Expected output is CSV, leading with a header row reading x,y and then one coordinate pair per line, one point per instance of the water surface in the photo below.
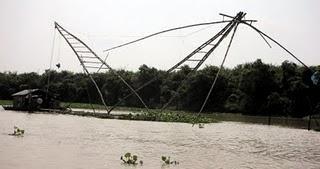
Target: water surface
x,y
64,141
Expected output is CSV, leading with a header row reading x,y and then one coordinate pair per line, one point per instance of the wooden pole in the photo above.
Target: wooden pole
x,y
309,122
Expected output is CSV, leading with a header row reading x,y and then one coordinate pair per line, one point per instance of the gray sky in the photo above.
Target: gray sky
x,y
27,30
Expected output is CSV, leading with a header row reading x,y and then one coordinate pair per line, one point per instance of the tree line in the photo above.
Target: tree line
x,y
252,88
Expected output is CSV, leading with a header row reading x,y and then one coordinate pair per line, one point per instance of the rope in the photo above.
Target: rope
x,y
225,31
105,59
164,31
263,34
217,75
197,31
59,49
51,57
180,63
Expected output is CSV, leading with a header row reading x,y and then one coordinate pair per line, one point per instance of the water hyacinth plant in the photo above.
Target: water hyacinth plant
x,y
17,131
166,160
171,116
201,125
130,159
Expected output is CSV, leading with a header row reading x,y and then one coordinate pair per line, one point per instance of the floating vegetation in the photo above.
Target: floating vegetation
x,y
167,161
169,116
17,131
130,159
201,125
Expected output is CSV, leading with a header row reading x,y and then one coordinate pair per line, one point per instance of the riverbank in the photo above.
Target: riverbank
x,y
127,113
124,113
96,106
5,102
151,115
189,117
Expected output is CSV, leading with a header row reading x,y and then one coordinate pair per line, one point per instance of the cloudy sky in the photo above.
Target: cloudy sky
x,y
27,31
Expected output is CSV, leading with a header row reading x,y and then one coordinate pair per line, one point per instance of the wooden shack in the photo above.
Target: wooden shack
x,y
34,99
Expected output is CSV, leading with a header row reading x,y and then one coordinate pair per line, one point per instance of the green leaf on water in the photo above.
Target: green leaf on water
x,y
127,155
167,160
135,157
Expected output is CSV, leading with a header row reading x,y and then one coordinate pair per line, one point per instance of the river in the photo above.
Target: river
x,y
73,142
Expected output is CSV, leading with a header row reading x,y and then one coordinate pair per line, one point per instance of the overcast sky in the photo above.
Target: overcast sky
x,y
27,31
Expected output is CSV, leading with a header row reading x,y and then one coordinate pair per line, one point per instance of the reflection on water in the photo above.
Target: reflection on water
x,y
62,141
115,112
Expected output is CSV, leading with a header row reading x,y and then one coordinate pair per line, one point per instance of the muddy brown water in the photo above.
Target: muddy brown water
x,y
73,142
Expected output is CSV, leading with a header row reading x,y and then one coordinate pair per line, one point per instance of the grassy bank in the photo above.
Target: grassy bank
x,y
301,123
137,113
96,106
5,102
171,116
185,117
151,115
81,106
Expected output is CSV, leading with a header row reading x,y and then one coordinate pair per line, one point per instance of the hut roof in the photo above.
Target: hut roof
x,y
25,92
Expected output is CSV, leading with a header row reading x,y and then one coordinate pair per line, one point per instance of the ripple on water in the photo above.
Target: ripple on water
x,y
58,141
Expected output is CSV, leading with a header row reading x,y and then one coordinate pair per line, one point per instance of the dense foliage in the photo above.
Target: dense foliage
x,y
252,88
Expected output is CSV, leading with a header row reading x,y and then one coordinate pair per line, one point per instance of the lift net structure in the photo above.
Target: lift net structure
x,y
91,62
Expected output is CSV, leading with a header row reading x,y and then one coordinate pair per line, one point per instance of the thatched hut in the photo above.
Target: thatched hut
x,y
33,99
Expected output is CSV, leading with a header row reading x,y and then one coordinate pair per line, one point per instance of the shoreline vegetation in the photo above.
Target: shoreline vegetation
x,y
134,113
254,88
178,116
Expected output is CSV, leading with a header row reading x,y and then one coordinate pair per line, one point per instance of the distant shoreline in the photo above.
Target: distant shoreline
x,y
127,113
